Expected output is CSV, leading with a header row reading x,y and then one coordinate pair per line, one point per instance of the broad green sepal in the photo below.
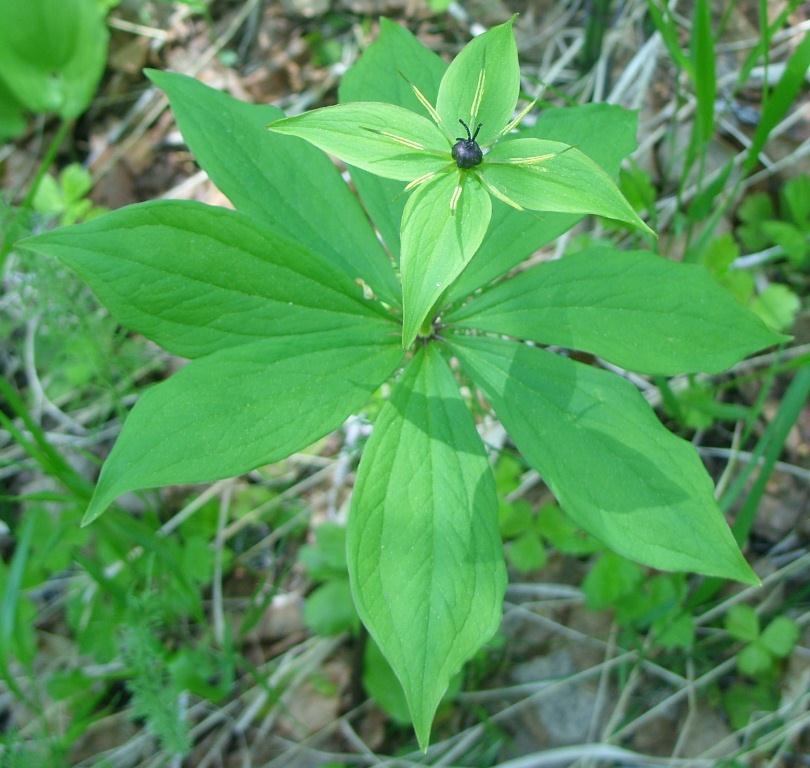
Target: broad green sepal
x,y
385,72
244,407
481,85
613,467
542,175
197,278
382,138
424,550
633,308
279,181
604,132
442,226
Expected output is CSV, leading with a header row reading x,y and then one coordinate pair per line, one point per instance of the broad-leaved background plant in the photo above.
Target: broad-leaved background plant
x,y
293,312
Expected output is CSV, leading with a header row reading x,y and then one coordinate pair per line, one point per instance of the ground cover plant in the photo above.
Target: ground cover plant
x,y
293,314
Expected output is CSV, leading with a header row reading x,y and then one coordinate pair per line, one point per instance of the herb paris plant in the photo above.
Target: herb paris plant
x,y
284,346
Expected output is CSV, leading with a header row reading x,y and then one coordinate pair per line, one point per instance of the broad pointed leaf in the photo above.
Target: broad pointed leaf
x,y
196,278
438,241
614,469
243,407
633,308
604,132
388,68
425,559
481,85
543,175
52,53
382,138
280,181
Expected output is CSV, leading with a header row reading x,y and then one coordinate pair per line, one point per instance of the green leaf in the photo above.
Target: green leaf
x,y
742,622
612,466
12,595
780,636
669,29
544,175
777,306
790,238
744,702
49,198
279,181
243,407
52,53
753,211
527,553
196,278
381,138
425,557
514,517
564,536
610,579
481,85
780,99
754,659
329,610
76,182
12,114
795,196
604,132
675,631
385,72
703,69
438,242
382,685
326,559
633,308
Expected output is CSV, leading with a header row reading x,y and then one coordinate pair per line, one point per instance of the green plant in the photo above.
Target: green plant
x,y
52,56
763,647
763,225
66,198
285,343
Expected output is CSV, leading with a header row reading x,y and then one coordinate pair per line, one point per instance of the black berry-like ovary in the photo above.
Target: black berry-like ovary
x,y
466,151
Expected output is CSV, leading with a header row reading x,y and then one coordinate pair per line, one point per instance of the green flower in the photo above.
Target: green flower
x,y
447,215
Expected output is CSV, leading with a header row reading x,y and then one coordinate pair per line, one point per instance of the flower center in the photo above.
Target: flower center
x,y
466,151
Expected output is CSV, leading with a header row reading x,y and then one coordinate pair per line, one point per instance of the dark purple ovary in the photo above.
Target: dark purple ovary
x,y
466,151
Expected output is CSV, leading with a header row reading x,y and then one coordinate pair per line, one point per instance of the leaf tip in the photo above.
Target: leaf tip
x,y
97,506
422,725
92,514
279,125
158,77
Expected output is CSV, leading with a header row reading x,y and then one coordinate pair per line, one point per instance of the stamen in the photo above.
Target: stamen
x,y
455,198
423,100
479,95
410,143
519,118
495,192
532,160
420,180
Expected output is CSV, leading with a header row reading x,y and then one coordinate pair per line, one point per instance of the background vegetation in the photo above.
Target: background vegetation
x,y
213,626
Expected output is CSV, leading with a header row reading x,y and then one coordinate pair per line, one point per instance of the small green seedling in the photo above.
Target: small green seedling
x,y
66,197
763,648
294,310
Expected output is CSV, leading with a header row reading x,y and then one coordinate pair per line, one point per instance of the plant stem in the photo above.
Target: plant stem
x,y
47,161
